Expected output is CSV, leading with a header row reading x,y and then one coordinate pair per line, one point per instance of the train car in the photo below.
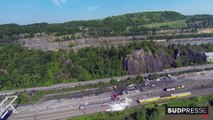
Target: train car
x,y
169,89
183,94
165,97
149,99
180,87
174,88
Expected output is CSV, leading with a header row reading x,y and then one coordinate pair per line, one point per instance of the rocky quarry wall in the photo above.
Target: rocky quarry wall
x,y
140,62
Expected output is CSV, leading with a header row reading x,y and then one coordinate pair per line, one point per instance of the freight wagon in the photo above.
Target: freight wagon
x,y
174,88
149,99
165,97
175,95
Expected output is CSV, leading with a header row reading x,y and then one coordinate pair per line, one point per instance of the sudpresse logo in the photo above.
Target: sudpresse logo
x,y
186,110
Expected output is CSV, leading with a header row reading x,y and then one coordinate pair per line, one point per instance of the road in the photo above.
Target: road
x,y
185,41
70,85
199,83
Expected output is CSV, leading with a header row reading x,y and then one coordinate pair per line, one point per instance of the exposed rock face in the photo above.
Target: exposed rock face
x,y
47,42
44,43
142,62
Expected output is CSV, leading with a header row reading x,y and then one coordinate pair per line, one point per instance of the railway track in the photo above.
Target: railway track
x,y
68,113
63,112
71,85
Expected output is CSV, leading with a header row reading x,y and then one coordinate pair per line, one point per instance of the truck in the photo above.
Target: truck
x,y
116,96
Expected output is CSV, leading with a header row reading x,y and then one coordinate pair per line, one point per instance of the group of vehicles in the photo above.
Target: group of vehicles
x,y
128,90
116,96
167,96
132,87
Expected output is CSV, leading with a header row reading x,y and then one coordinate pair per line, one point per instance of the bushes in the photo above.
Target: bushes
x,y
139,78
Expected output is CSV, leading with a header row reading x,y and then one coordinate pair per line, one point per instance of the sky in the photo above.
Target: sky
x,y
57,11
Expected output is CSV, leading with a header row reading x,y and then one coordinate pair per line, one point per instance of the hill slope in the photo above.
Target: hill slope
x,y
142,23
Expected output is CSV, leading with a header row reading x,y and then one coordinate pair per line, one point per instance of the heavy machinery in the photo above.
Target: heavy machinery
x,y
116,96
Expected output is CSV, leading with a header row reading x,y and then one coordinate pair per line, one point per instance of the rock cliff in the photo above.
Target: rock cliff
x,y
140,62
144,62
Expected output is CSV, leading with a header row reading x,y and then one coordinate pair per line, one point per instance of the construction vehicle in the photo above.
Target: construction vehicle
x,y
116,96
